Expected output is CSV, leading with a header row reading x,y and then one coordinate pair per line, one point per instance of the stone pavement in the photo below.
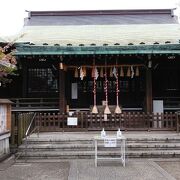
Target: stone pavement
x,y
34,171
136,169
90,135
172,167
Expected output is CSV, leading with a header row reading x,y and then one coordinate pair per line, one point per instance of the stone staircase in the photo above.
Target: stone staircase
x,y
82,147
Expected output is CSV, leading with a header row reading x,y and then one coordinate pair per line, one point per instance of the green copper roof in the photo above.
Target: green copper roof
x,y
101,34
25,49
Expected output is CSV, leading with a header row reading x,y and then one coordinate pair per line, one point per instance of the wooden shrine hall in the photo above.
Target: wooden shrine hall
x,y
99,62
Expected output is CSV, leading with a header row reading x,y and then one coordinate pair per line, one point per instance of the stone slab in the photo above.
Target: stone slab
x,y
135,169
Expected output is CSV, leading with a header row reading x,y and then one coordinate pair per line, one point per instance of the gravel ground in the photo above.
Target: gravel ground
x,y
172,167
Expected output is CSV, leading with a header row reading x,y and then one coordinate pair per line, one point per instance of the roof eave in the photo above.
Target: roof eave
x,y
65,50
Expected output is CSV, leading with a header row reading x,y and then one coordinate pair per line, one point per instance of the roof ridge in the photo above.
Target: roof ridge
x,y
101,12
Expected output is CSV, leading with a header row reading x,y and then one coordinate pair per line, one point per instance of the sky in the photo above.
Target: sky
x,y
12,12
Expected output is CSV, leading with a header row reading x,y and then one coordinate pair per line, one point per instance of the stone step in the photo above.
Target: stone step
x,y
90,154
89,142
91,138
56,147
70,146
56,141
161,145
85,147
154,141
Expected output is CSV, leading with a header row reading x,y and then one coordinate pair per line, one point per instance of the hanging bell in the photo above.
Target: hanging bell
x,y
94,110
118,110
76,73
128,72
107,110
122,72
61,66
137,71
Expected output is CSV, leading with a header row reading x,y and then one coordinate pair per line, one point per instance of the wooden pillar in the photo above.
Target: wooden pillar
x,y
20,129
24,80
62,94
149,90
8,117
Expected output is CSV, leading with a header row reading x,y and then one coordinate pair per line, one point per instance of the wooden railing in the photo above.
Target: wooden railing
x,y
125,121
33,103
88,121
20,123
178,121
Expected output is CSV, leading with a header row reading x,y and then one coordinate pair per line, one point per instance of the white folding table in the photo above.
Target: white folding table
x,y
111,142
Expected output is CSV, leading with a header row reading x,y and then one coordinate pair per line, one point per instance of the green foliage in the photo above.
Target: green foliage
x,y
7,64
